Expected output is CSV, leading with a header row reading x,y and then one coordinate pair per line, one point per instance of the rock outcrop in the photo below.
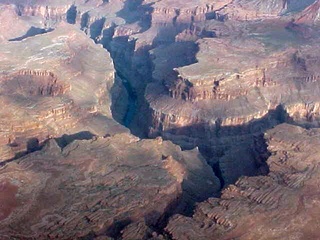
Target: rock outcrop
x,y
281,205
217,92
99,187
310,15
242,10
53,84
212,76
12,25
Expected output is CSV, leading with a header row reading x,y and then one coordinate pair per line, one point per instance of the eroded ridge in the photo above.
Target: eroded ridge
x,y
50,88
256,207
33,83
99,187
213,75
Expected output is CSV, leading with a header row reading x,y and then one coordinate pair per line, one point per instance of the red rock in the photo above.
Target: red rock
x,y
100,186
51,96
210,74
282,205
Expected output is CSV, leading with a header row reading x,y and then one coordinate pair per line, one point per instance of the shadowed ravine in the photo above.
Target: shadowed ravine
x,y
162,120
137,115
132,102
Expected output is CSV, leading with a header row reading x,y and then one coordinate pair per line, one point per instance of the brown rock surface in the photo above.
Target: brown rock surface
x,y
244,78
12,25
53,84
311,14
97,187
260,9
282,205
212,74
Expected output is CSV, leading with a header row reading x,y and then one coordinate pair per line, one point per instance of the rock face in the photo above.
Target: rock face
x,y
212,76
282,205
223,86
311,14
98,187
11,25
55,95
233,82
259,9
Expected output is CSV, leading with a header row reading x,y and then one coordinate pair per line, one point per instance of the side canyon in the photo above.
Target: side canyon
x,y
142,119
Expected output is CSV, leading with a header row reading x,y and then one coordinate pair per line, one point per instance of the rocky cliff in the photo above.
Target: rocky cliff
x,y
212,76
50,96
217,92
281,205
100,186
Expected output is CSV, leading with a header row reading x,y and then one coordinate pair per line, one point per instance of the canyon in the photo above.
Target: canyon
x,y
144,119
280,205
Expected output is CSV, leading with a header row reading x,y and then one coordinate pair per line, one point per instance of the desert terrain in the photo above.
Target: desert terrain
x,y
167,119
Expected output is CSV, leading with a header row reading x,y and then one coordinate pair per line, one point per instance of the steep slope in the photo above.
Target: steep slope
x,y
98,187
209,74
311,14
53,84
12,25
282,205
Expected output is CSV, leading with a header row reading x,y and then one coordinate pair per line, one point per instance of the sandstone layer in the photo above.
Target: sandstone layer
x,y
53,84
282,205
229,79
97,187
209,74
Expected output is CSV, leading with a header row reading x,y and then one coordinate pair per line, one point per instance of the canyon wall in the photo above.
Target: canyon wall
x,y
212,77
259,207
96,195
48,97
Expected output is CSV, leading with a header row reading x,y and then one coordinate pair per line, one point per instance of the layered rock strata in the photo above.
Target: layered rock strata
x,y
221,90
98,187
281,205
50,96
200,73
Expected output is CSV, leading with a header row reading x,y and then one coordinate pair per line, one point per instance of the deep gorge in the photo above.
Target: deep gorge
x,y
209,79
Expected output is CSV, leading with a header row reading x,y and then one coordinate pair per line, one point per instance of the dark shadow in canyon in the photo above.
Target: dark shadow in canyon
x,y
115,229
72,14
84,21
216,16
296,6
96,28
132,101
128,63
244,153
33,31
135,68
122,51
130,11
134,11
165,36
133,71
66,139
34,145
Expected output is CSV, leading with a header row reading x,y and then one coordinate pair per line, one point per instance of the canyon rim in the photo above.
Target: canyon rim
x,y
167,119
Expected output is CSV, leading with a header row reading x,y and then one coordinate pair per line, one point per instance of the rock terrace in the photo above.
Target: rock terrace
x,y
204,87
